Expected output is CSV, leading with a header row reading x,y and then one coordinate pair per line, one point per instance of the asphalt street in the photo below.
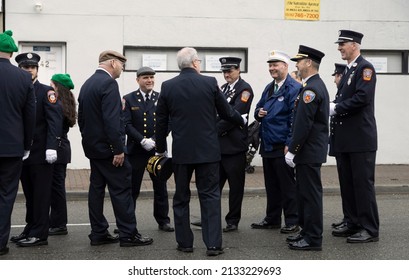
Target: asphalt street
x,y
245,244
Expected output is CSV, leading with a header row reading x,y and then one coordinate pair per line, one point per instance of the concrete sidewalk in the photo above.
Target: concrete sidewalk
x,y
389,178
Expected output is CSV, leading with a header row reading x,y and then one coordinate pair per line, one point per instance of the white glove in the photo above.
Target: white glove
x,y
332,109
26,154
244,116
148,144
165,154
289,159
51,156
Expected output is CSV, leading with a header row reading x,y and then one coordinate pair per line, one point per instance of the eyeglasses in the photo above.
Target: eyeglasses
x,y
122,63
198,60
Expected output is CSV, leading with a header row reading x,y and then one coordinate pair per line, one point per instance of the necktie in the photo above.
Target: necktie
x,y
275,88
146,98
227,90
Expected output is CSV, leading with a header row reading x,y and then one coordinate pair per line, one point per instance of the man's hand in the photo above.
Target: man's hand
x,y
289,159
165,154
332,109
244,117
51,156
261,113
26,154
148,144
118,160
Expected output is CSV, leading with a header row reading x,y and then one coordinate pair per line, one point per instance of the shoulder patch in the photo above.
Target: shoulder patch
x,y
52,97
245,95
367,74
308,96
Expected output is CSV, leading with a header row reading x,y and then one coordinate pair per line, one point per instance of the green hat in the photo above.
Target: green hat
x,y
63,79
7,44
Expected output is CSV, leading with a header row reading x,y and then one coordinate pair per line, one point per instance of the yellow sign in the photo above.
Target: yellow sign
x,y
302,9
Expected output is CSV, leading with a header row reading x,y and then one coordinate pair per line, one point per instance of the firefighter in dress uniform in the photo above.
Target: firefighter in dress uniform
x,y
37,175
233,139
140,121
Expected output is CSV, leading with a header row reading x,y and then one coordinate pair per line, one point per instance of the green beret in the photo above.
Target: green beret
x,y
7,44
63,79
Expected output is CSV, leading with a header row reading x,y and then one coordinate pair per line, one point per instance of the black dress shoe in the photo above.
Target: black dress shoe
x,y
166,227
362,237
294,238
214,251
230,227
197,223
339,224
184,249
4,250
303,245
58,231
137,240
116,231
344,231
290,229
264,225
31,242
107,239
17,238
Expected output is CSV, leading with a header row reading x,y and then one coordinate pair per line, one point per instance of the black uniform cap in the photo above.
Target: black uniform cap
x,y
339,68
307,52
229,62
349,36
26,59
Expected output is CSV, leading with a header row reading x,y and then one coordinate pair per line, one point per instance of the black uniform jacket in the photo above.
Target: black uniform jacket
x,y
17,110
353,128
192,102
233,137
140,120
49,120
310,126
64,150
100,117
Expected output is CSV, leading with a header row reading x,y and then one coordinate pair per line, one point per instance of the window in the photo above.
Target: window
x,y
163,59
388,61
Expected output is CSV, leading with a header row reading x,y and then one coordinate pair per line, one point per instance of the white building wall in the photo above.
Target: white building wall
x,y
89,27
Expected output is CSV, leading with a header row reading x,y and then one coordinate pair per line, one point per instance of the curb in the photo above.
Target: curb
x,y
249,191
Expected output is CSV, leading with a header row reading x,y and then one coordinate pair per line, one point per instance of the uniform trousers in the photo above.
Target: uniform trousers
x,y
36,180
310,209
346,218
118,180
233,169
279,180
58,211
10,170
160,192
357,177
207,184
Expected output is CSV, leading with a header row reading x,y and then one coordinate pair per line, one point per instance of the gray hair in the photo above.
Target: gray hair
x,y
185,57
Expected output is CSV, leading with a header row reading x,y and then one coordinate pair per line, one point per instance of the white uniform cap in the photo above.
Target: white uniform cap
x,y
276,55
